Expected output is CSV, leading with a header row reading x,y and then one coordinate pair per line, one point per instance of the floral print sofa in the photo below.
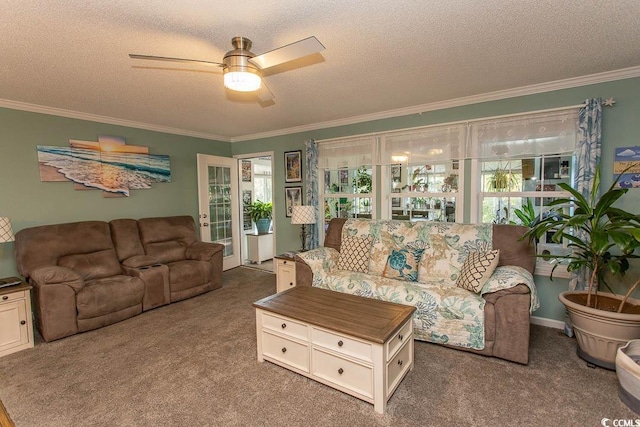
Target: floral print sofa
x,y
493,321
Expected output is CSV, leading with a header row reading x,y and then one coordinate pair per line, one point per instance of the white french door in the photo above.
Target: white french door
x,y
219,207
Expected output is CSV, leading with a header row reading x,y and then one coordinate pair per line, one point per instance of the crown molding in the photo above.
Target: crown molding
x,y
34,108
607,76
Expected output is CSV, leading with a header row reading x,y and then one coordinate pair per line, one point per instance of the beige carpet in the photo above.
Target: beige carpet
x,y
264,265
193,363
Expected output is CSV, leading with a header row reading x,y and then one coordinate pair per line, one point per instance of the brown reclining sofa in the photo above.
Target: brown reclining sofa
x,y
90,274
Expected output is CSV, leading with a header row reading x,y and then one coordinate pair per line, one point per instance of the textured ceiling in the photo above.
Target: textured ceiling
x,y
381,55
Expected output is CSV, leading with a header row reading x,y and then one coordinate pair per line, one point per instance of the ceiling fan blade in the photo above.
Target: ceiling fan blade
x,y
168,59
264,93
288,53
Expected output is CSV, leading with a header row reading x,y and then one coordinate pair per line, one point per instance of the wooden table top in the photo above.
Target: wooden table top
x,y
365,318
15,288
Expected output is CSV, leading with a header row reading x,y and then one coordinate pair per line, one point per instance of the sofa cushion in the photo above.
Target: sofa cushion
x,y
403,263
108,295
94,265
477,269
188,274
166,252
126,238
444,314
447,246
354,253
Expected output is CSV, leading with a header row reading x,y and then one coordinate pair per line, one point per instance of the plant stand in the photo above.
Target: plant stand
x,y
600,333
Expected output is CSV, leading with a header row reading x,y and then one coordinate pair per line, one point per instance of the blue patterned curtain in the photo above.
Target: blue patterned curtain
x,y
588,149
311,183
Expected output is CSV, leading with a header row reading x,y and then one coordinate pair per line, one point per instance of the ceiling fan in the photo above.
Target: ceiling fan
x,y
242,69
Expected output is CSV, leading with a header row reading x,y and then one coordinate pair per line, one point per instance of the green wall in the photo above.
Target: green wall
x,y
29,202
621,127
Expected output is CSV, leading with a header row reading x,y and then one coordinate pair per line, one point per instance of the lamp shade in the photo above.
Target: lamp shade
x,y
303,215
6,232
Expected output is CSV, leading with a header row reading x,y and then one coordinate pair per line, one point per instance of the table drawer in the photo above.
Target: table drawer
x,y
285,326
343,373
289,352
398,366
342,344
399,338
13,296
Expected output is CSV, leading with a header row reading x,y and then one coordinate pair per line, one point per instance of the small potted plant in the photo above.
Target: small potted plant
x,y
261,213
603,239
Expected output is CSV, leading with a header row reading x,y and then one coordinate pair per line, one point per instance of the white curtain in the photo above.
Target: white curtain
x,y
435,144
524,136
348,153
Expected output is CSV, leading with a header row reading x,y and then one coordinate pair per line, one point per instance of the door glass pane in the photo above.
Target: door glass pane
x,y
220,207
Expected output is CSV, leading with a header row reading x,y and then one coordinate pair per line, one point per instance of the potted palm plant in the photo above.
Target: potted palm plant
x,y
603,239
261,213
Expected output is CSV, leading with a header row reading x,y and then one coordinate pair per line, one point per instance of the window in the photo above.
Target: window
x,y
347,180
425,192
422,174
518,166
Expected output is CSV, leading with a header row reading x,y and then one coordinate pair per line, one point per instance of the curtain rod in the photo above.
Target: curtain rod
x,y
468,121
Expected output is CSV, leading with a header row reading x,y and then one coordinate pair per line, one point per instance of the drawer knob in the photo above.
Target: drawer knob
x,y
399,362
340,343
4,298
284,325
284,262
23,322
400,337
340,371
284,349
290,283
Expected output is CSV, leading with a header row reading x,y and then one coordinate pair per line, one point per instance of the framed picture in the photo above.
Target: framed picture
x,y
292,197
246,202
246,170
293,166
396,173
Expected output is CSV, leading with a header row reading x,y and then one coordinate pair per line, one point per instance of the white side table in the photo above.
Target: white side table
x,y
16,326
260,247
285,273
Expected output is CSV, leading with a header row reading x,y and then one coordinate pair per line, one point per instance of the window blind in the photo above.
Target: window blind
x,y
522,136
347,153
425,146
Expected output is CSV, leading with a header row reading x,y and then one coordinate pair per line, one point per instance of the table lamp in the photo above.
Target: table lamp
x,y
6,232
6,235
303,215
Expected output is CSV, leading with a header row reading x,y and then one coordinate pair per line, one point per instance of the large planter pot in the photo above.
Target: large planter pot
x,y
628,371
263,225
600,332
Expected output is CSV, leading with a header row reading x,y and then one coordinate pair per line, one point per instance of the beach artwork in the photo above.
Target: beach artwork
x,y
107,164
627,160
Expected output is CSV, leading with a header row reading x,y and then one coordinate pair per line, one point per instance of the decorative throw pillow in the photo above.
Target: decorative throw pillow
x,y
354,253
403,264
477,269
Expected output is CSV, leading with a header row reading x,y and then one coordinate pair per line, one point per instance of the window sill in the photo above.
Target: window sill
x,y
543,268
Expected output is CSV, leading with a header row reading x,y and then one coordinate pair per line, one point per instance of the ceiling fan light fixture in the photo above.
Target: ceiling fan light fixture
x,y
242,81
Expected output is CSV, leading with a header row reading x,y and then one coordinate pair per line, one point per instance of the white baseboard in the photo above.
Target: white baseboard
x,y
550,323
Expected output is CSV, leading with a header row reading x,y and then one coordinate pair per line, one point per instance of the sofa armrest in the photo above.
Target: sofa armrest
x,y
54,291
314,264
507,320
203,251
55,275
509,277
